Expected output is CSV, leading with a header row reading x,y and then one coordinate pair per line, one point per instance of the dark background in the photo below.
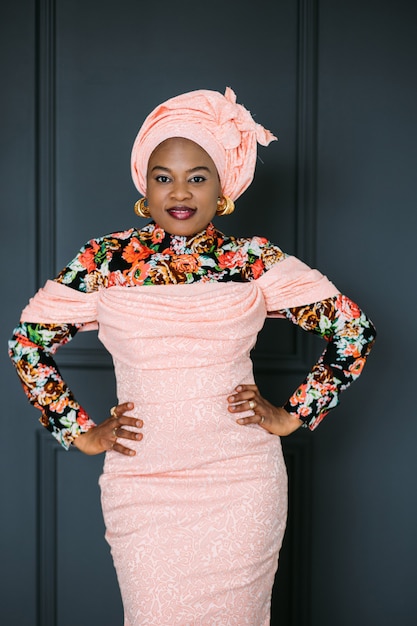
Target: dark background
x,y
336,81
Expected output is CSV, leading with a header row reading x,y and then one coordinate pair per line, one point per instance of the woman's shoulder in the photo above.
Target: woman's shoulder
x,y
256,243
108,241
87,271
116,236
255,255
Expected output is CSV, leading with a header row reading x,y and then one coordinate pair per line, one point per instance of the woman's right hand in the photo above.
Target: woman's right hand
x,y
107,435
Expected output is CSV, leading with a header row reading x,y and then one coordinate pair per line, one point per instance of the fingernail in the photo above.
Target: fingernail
x,y
239,388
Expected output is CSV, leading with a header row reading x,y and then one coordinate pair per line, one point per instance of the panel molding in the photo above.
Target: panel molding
x,y
306,179
305,192
297,542
45,232
307,95
85,358
45,140
47,530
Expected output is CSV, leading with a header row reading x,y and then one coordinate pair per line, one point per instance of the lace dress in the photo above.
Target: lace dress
x,y
196,519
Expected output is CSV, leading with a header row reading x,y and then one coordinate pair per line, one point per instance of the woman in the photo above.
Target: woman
x,y
194,485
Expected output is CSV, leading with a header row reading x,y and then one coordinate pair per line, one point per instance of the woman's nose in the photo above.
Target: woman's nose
x,y
181,191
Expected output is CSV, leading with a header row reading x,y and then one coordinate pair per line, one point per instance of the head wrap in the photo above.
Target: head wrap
x,y
223,128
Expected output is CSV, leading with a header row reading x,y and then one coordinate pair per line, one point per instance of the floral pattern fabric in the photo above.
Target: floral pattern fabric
x,y
31,349
350,336
153,257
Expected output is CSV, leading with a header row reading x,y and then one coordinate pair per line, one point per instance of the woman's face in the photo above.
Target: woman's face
x,y
182,187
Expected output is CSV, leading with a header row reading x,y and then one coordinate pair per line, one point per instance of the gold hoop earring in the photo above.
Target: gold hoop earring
x,y
141,208
225,206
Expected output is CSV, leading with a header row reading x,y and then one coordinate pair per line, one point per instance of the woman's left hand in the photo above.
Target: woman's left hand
x,y
275,420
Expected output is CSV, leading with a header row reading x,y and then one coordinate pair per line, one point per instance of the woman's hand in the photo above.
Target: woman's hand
x,y
107,435
274,419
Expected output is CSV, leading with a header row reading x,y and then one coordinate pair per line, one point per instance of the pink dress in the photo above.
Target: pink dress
x,y
196,519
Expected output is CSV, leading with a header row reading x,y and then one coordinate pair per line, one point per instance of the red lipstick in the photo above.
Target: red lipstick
x,y
181,212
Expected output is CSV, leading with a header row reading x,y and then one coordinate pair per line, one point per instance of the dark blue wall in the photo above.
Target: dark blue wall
x,y
337,82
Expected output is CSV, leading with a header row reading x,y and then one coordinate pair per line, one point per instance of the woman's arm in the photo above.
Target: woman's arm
x,y
350,336
33,345
31,349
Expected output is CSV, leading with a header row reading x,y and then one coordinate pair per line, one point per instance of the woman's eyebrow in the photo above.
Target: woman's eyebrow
x,y
193,169
199,167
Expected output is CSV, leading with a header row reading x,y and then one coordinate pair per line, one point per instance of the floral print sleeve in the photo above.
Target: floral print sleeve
x,y
31,350
350,336
33,346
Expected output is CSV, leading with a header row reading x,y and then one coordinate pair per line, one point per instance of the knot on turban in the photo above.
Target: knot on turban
x,y
223,128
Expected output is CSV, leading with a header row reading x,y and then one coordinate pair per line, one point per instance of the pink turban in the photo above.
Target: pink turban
x,y
223,128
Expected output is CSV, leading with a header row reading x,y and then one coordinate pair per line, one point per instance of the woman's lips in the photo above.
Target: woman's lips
x,y
181,212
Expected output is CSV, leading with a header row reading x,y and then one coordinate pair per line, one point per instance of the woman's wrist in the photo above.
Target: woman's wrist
x,y
292,420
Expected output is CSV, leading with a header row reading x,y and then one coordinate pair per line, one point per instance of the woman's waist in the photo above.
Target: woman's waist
x,y
193,436
176,384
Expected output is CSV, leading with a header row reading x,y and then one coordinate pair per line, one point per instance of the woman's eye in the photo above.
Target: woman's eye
x,y
197,179
162,179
